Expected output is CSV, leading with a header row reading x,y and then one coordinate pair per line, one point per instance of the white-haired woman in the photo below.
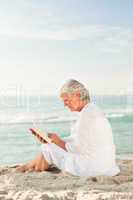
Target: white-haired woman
x,y
89,150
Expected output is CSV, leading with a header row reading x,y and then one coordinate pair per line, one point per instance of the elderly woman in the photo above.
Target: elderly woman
x,y
89,150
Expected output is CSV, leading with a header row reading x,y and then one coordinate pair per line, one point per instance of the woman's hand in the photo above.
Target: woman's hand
x,y
54,137
57,140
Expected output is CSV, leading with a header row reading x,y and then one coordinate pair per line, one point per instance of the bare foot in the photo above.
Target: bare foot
x,y
21,168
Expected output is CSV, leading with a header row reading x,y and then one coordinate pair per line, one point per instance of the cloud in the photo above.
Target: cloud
x,y
107,39
27,20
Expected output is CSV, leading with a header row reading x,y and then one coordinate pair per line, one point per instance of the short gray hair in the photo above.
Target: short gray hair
x,y
72,86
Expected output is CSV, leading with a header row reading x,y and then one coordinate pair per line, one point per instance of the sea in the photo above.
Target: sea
x,y
47,113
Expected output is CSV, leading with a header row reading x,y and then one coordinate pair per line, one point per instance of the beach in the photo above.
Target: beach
x,y
51,116
55,184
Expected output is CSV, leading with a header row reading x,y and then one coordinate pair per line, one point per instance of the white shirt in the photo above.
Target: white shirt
x,y
91,150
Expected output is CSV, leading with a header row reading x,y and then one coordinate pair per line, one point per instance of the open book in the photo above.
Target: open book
x,y
40,136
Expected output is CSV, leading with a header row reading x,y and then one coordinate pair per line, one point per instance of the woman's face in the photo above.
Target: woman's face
x,y
72,101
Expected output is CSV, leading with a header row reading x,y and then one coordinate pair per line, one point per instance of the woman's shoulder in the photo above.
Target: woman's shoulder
x,y
91,110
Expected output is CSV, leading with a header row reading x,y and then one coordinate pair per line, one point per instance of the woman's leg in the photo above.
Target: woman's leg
x,y
38,164
41,164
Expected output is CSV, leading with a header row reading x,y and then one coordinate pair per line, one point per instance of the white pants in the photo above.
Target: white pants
x,y
54,154
76,164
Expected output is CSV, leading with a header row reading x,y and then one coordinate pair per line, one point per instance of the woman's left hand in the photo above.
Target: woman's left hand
x,y
54,137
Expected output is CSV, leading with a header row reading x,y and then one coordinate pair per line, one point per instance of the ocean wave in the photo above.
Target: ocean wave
x,y
115,115
62,119
119,112
33,118
58,117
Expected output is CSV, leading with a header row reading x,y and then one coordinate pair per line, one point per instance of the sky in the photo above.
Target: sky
x,y
45,42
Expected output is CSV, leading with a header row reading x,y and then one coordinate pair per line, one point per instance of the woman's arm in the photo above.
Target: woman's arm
x,y
57,140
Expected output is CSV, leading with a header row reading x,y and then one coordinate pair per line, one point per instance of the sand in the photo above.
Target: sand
x,y
56,185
